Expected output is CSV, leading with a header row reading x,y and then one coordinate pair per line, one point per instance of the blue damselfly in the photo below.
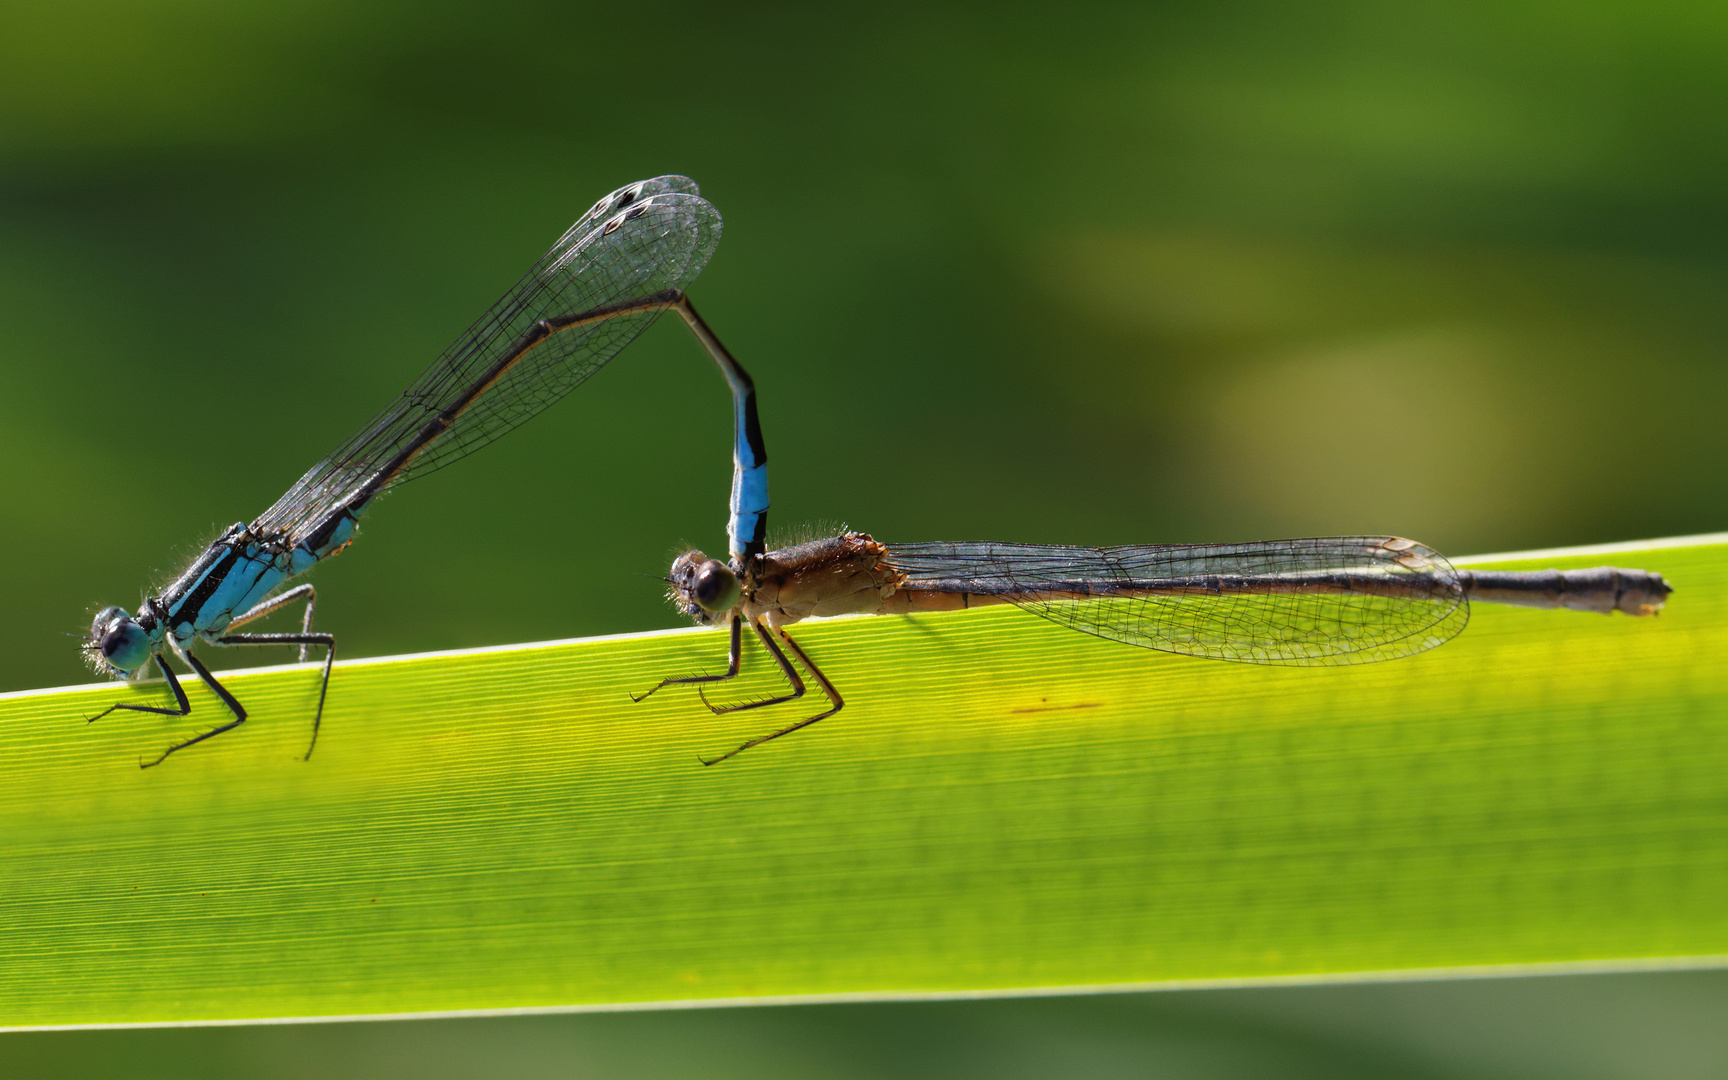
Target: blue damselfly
x,y
626,262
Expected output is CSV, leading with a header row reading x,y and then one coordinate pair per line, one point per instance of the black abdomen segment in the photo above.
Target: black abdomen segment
x,y
1599,588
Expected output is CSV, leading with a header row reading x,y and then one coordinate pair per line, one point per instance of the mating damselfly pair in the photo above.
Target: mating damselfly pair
x,y
1319,601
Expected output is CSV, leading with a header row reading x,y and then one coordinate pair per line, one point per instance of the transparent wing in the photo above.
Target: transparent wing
x,y
1322,601
640,240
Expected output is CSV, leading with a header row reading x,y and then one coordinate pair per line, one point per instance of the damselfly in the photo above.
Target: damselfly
x,y
1324,601
605,281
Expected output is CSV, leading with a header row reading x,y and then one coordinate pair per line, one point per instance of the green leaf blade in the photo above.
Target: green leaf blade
x,y
1003,805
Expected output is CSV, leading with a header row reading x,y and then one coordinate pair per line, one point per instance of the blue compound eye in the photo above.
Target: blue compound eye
x,y
124,644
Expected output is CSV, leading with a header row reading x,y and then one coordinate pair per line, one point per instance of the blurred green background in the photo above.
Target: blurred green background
x,y
1080,274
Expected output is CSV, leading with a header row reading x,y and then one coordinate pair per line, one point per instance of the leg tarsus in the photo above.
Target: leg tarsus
x,y
163,756
221,691
758,741
303,640
734,652
822,681
276,603
781,662
787,669
184,708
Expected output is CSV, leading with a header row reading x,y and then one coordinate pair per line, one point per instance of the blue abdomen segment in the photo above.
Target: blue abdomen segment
x,y
747,530
332,535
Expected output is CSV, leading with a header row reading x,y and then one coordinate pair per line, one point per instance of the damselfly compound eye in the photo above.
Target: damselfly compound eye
x,y
124,644
716,587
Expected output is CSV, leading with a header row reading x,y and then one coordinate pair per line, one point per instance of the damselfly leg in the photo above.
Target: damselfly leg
x,y
277,603
797,692
733,656
184,708
220,691
303,640
835,701
183,705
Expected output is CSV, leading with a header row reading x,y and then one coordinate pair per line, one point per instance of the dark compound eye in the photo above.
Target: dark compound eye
x,y
115,641
716,587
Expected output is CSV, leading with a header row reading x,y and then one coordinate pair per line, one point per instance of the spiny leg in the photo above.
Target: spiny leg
x,y
184,708
303,640
832,694
276,603
221,691
780,661
733,653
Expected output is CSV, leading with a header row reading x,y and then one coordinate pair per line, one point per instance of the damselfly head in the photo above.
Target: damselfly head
x,y
117,644
703,588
